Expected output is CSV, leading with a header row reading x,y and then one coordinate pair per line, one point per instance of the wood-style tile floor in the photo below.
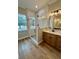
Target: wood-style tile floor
x,y
27,50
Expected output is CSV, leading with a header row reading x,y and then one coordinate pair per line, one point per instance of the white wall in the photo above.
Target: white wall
x,y
43,13
55,6
43,22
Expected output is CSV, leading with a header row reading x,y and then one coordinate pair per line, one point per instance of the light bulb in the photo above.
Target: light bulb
x,y
55,13
36,6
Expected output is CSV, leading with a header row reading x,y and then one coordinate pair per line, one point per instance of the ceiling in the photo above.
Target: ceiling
x,y
30,4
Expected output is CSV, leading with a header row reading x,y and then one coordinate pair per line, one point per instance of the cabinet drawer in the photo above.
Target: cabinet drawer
x,y
45,34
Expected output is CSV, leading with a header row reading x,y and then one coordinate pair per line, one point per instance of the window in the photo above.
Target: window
x,y
22,23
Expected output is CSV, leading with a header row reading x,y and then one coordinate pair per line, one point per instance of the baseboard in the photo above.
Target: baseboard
x,y
34,41
40,42
23,37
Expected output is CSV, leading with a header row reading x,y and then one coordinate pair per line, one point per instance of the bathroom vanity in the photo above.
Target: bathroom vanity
x,y
52,38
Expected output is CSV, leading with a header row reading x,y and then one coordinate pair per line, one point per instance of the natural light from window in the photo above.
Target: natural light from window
x,y
22,23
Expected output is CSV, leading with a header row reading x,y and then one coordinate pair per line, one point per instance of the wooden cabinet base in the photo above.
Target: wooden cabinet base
x,y
52,40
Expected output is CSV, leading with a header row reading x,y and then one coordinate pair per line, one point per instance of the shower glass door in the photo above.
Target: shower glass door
x,y
32,26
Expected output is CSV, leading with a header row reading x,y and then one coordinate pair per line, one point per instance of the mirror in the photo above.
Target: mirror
x,y
55,20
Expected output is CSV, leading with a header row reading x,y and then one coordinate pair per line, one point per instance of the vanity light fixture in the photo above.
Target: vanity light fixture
x,y
56,12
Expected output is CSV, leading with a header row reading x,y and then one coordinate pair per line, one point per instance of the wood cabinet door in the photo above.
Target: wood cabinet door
x,y
52,39
45,36
58,42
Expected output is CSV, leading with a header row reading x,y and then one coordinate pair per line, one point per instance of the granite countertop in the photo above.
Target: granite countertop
x,y
56,32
